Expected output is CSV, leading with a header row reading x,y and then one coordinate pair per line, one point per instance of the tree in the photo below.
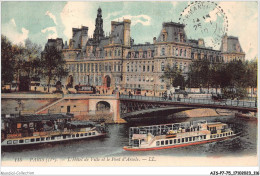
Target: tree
x,y
251,75
200,74
7,61
173,76
53,65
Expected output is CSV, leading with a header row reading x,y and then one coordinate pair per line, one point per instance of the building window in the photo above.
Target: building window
x,y
163,51
162,66
139,78
152,68
100,67
144,68
132,67
148,68
127,67
163,37
115,66
176,52
119,52
115,52
192,55
127,78
96,68
84,67
77,67
92,67
199,56
181,52
185,53
118,69
135,67
105,66
88,67
143,79
110,53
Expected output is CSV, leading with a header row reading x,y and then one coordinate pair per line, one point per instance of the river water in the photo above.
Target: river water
x,y
112,145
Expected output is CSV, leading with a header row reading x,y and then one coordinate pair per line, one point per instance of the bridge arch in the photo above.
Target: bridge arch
x,y
103,106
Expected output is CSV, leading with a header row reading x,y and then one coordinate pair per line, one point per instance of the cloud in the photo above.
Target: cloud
x,y
143,19
13,22
75,14
112,14
51,16
243,23
52,32
13,33
175,3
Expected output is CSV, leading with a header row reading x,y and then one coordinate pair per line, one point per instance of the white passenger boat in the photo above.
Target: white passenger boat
x,y
175,135
37,129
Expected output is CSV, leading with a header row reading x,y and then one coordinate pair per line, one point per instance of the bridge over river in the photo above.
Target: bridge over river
x,y
117,108
133,106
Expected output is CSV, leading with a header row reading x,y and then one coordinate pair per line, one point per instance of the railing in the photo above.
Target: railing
x,y
226,102
90,95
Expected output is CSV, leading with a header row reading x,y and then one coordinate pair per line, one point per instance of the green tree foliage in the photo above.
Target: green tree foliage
x,y
233,77
173,76
53,65
7,61
200,74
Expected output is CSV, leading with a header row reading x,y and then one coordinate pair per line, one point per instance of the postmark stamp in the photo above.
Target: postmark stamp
x,y
205,19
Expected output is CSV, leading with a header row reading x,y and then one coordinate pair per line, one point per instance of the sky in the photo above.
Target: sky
x,y
40,21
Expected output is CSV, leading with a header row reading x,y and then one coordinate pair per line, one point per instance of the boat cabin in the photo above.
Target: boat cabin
x,y
27,125
216,127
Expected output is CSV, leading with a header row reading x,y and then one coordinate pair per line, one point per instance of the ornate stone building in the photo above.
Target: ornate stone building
x,y
114,61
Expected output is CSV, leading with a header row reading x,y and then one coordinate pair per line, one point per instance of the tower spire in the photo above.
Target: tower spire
x,y
98,32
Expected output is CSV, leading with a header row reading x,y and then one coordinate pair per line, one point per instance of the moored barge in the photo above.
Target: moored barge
x,y
37,129
175,135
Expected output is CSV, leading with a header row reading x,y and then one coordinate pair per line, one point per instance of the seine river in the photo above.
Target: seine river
x,y
112,145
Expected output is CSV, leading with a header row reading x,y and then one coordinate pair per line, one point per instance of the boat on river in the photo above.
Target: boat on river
x,y
175,135
48,128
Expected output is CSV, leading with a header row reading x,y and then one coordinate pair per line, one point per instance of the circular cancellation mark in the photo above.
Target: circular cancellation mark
x,y
205,20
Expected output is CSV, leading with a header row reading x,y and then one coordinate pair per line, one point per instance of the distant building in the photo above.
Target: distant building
x,y
231,49
114,61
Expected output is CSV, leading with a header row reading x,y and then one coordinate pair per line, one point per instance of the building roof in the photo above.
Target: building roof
x,y
77,39
233,45
144,47
118,33
172,30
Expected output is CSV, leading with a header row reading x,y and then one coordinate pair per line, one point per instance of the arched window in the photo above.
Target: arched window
x,y
162,66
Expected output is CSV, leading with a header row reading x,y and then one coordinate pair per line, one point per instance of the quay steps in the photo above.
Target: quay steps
x,y
48,106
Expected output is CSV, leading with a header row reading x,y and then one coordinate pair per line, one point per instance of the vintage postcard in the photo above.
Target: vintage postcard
x,y
129,83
